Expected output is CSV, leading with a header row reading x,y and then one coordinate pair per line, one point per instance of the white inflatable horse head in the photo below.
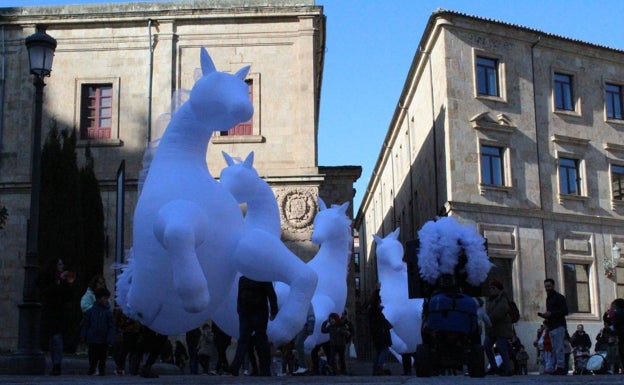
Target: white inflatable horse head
x,y
389,254
240,178
218,99
331,223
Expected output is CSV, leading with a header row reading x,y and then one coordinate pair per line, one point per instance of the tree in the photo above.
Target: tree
x,y
61,221
93,218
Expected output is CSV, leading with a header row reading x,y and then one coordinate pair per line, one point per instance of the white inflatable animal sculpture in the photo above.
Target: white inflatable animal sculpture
x,y
189,238
442,242
332,232
241,179
403,313
244,183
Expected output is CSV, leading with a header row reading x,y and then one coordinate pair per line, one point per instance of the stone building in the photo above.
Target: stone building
x,y
518,133
132,57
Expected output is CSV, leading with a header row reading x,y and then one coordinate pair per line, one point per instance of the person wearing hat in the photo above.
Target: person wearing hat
x,y
500,331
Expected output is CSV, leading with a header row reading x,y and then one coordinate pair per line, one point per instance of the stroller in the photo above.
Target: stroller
x,y
581,357
597,363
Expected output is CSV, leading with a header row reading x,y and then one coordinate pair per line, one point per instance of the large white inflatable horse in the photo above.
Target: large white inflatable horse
x,y
403,313
189,238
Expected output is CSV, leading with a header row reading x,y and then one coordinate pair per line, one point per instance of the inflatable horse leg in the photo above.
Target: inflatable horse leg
x,y
263,257
180,230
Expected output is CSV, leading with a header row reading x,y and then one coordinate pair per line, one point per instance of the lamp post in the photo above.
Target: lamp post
x,y
29,358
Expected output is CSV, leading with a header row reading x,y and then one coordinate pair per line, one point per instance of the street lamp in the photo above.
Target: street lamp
x,y
29,358
611,266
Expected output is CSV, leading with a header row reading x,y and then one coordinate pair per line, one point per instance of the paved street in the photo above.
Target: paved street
x,y
344,380
74,370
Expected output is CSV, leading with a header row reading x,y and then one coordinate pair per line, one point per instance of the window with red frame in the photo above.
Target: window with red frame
x,y
245,128
96,113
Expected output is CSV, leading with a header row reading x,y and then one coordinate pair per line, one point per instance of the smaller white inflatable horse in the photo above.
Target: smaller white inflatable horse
x,y
403,313
262,213
332,231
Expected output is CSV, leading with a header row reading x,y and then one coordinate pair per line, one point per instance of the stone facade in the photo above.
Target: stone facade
x,y
433,162
147,51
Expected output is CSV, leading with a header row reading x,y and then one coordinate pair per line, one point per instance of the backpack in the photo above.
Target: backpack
x,y
514,313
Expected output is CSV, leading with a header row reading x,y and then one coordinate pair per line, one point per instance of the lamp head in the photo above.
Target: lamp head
x,y
41,48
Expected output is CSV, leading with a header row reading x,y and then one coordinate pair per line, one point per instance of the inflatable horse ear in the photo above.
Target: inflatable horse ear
x,y
393,235
208,66
342,208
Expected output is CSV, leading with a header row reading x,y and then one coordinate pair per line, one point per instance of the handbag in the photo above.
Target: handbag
x,y
352,352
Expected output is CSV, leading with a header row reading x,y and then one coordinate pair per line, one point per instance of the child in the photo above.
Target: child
x,y
522,358
98,330
207,349
338,335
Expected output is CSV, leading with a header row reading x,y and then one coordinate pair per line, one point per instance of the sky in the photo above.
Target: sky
x,y
370,45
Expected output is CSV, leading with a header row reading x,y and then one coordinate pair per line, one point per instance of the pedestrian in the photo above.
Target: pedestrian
x,y
98,331
616,315
338,335
380,333
256,304
556,311
221,341
192,338
307,330
180,356
501,331
127,349
151,344
581,345
57,290
88,298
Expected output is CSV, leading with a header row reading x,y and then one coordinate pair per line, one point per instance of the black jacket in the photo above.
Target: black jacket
x,y
557,305
254,295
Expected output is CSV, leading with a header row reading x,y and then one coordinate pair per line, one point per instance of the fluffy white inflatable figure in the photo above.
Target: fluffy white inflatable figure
x,y
189,238
442,242
403,313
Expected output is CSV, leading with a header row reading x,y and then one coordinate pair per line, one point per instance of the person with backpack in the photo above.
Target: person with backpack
x,y
500,332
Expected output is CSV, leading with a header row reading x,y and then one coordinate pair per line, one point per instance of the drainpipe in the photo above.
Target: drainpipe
x,y
2,87
150,75
537,140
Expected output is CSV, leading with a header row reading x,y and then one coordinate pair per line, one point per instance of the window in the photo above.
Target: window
x,y
501,271
613,101
487,76
357,286
492,171
569,179
617,182
356,262
563,92
245,128
576,281
619,281
96,111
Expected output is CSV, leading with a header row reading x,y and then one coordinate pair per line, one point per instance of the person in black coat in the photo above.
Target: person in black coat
x,y
380,333
256,302
57,291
